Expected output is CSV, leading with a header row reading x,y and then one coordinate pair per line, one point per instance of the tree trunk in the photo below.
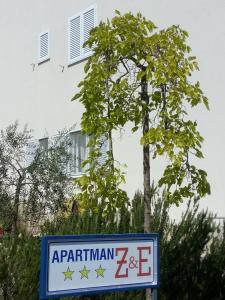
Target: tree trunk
x,y
16,206
146,165
5,292
111,149
110,135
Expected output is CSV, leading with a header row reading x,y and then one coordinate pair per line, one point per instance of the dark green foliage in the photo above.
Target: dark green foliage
x,y
182,256
5,210
213,268
137,213
193,259
19,268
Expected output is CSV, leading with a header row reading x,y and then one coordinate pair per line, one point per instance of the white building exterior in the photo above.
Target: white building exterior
x,y
39,93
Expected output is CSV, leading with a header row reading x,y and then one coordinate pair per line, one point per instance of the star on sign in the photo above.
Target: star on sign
x,y
84,272
100,271
68,274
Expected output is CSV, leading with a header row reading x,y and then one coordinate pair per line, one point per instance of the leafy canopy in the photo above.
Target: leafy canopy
x,y
33,181
130,51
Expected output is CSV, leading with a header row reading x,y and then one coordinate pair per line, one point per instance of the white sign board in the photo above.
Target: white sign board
x,y
77,265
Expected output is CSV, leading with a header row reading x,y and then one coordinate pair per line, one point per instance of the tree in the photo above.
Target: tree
x,y
140,74
33,181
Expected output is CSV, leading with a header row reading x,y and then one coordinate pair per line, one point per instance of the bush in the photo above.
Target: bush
x,y
19,267
192,253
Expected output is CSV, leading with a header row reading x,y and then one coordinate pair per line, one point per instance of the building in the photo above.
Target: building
x,y
42,62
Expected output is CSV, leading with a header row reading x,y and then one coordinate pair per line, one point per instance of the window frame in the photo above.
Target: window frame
x,y
82,55
75,173
44,145
47,57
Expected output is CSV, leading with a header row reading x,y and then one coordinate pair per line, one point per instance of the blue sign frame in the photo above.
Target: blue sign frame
x,y
47,240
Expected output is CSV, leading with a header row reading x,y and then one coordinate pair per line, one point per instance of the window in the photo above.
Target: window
x,y
30,152
43,48
43,143
78,32
103,148
78,152
77,147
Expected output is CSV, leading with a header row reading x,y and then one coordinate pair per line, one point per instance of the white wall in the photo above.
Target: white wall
x,y
41,97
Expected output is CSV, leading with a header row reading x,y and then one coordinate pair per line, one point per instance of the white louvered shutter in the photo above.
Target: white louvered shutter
x,y
44,46
88,24
74,38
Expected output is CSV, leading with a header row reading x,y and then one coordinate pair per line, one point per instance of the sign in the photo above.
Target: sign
x,y
88,264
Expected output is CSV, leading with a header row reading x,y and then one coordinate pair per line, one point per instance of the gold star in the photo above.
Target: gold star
x,y
84,272
100,271
68,274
